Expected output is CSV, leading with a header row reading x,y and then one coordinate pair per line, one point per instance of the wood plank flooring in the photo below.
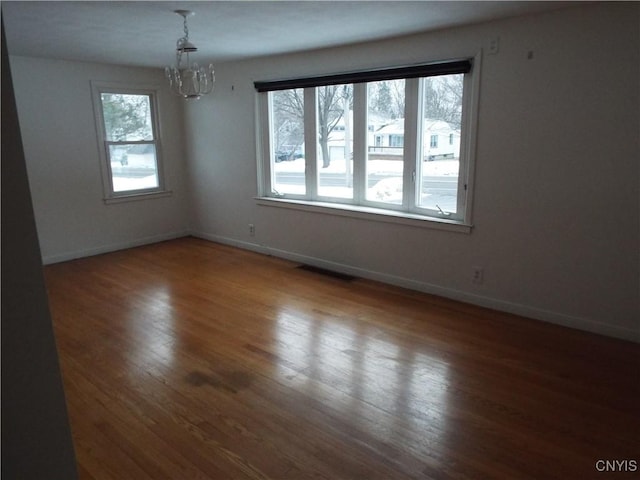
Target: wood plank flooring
x,y
192,360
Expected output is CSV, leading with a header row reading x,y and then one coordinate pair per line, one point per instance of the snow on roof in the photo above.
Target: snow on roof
x,y
395,127
430,125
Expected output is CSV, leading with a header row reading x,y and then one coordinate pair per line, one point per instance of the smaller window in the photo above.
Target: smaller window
x,y
451,139
129,142
396,140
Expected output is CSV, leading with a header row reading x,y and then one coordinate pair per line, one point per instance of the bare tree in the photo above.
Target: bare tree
x,y
443,98
289,117
288,122
398,97
386,98
331,100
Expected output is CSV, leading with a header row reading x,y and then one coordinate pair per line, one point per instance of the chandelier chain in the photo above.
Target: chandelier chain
x,y
186,28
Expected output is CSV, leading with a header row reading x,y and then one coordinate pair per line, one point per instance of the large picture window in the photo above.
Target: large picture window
x,y
395,141
129,142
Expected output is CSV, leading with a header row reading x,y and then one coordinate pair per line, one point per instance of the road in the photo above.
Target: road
x,y
131,172
440,185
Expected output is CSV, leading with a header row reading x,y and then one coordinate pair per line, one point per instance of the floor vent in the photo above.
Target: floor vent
x,y
327,273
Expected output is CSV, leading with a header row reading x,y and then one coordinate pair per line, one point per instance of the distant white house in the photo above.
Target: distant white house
x,y
386,139
440,140
338,134
337,139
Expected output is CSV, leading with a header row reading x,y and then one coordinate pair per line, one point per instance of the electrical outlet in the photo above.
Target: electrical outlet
x,y
252,230
477,275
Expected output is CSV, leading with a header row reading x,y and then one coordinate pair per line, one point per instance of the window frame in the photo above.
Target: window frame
x,y
409,212
151,91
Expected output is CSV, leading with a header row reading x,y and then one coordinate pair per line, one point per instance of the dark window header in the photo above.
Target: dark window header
x,y
413,71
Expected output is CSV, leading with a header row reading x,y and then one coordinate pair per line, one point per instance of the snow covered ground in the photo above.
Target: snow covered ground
x,y
122,184
138,173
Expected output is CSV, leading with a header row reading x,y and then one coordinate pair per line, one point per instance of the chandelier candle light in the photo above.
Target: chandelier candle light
x,y
190,81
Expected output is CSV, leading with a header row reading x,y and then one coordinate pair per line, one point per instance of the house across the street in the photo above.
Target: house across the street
x,y
440,140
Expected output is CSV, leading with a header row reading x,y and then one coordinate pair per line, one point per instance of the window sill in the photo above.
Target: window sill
x,y
132,197
367,213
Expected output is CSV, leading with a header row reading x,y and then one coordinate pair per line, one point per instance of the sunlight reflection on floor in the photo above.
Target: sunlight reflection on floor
x,y
346,364
153,328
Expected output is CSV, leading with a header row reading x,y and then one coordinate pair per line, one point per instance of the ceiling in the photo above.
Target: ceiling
x,y
144,33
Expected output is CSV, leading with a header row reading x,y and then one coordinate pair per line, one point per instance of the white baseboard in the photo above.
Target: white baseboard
x,y
254,247
112,247
466,297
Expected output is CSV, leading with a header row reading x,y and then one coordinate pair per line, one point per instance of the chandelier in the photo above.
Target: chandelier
x,y
189,80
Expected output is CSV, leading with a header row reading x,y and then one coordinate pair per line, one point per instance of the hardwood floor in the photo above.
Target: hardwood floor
x,y
192,360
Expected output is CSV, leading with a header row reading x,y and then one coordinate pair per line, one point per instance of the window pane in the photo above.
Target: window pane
x,y
335,141
441,126
287,139
385,141
127,117
133,167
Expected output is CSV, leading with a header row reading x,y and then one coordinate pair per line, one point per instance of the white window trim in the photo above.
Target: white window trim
x,y
359,207
366,213
109,195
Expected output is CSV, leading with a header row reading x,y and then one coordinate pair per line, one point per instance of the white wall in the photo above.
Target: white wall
x,y
557,210
61,149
